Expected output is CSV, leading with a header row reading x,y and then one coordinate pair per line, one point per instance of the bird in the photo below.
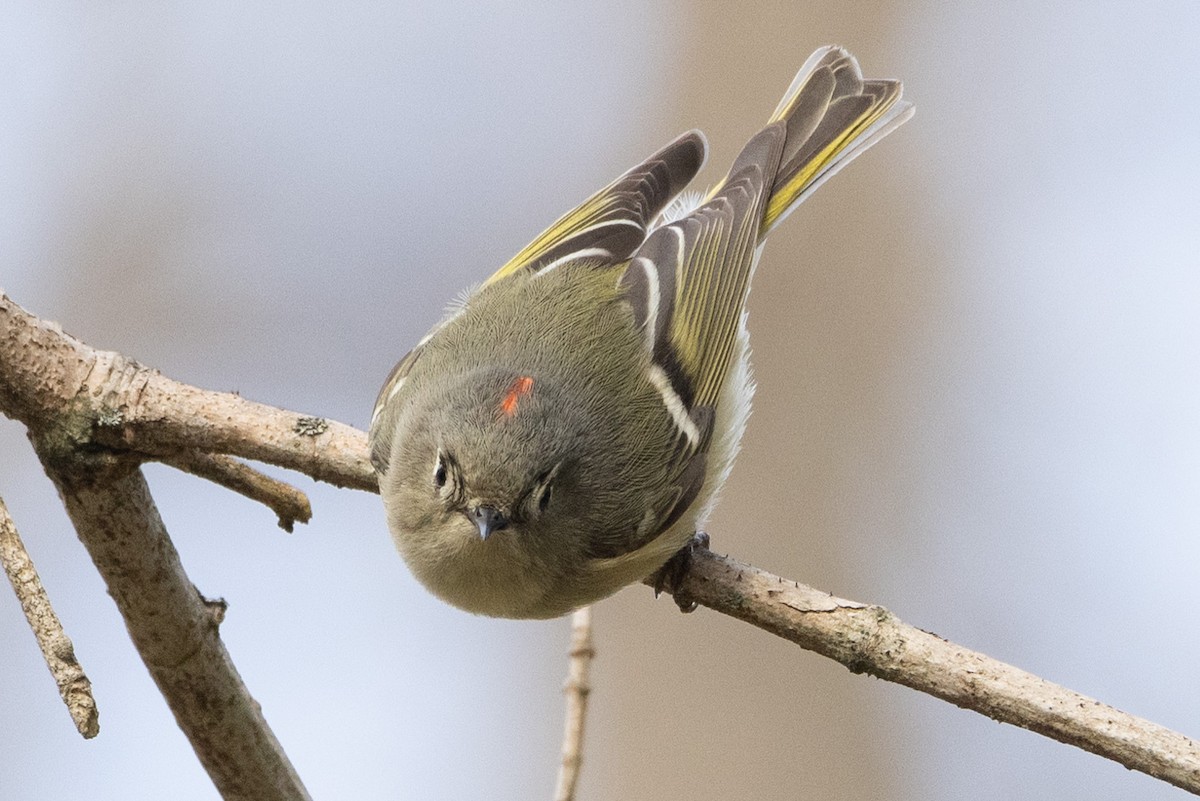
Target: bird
x,y
566,429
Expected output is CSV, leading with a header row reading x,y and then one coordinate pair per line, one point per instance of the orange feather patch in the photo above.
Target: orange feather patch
x,y
522,386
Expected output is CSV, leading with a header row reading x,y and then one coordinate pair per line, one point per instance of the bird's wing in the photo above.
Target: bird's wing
x,y
687,288
612,223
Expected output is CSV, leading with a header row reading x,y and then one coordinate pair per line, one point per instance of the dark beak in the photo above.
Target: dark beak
x,y
489,519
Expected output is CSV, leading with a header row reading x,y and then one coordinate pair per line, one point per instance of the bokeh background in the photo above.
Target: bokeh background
x,y
978,352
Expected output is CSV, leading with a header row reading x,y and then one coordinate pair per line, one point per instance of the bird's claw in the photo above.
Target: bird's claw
x,y
669,577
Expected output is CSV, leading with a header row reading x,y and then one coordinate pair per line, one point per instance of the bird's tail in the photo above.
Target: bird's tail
x,y
832,115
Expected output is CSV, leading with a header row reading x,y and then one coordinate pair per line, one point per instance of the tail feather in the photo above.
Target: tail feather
x,y
832,116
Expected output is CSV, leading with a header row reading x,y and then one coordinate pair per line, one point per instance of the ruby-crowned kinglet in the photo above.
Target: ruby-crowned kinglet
x,y
566,428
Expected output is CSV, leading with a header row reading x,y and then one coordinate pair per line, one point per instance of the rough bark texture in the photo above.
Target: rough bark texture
x,y
176,632
870,639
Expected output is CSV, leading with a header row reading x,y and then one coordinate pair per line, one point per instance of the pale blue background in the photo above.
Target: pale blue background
x,y
978,349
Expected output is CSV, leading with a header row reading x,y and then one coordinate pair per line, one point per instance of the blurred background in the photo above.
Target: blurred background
x,y
977,352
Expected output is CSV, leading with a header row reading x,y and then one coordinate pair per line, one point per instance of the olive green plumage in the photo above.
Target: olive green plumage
x,y
564,431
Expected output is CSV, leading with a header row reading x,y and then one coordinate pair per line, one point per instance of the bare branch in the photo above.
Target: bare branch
x,y
67,394
174,630
576,689
102,400
288,503
73,683
161,417
870,639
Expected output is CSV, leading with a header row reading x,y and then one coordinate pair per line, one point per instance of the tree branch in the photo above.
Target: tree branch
x,y
174,630
73,684
64,392
100,400
870,639
288,503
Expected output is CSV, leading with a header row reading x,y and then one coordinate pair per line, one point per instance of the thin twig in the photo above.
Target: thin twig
x,y
870,639
288,503
577,688
73,683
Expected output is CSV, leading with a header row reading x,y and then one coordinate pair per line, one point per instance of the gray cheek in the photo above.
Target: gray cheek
x,y
408,505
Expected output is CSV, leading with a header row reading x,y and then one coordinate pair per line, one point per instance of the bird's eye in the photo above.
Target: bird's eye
x,y
439,473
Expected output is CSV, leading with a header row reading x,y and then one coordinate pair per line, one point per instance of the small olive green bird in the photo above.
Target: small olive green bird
x,y
566,428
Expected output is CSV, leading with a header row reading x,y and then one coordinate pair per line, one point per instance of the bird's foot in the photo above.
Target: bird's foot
x,y
670,576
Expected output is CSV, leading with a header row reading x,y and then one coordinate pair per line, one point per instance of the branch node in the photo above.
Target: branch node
x,y
311,426
216,609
